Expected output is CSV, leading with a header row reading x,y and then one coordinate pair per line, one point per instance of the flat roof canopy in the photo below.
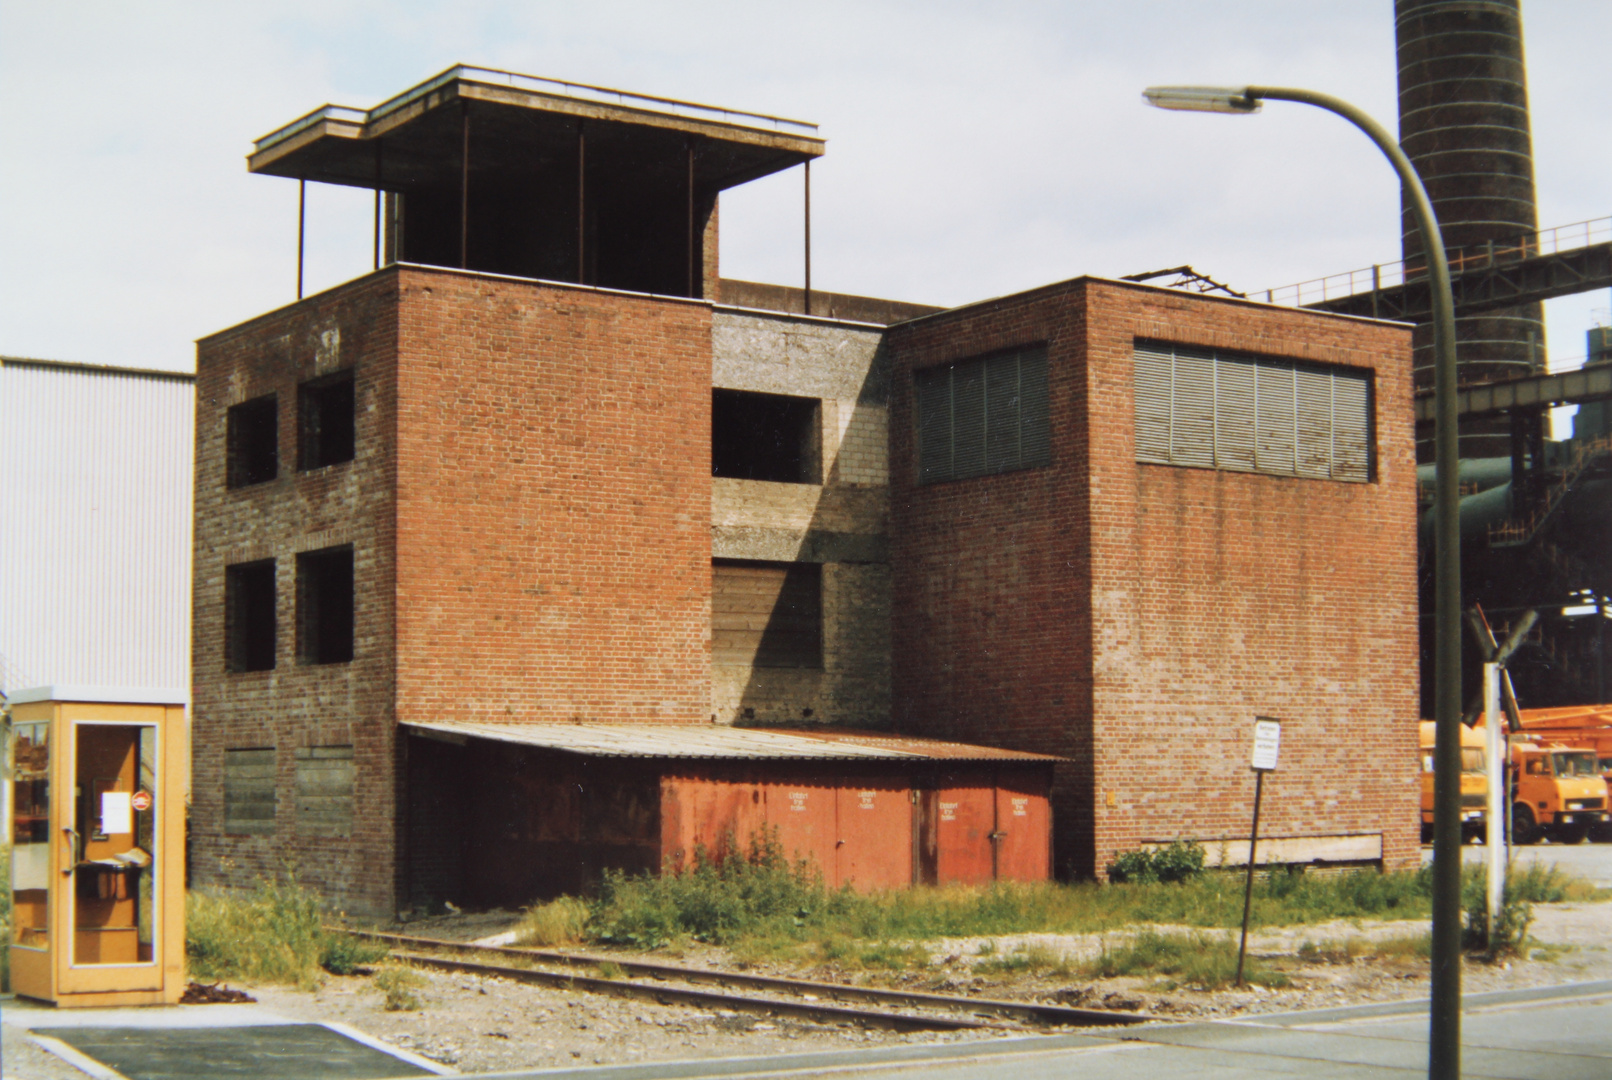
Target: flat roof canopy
x,y
717,742
521,124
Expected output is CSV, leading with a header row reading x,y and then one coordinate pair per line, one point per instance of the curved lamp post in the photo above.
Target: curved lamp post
x,y
1444,1048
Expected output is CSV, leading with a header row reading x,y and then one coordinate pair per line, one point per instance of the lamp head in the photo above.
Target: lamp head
x,y
1225,99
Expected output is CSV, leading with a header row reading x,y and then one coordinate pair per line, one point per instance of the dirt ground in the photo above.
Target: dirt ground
x,y
480,1025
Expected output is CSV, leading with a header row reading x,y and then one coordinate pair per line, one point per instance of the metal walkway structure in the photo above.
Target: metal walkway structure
x,y
1561,261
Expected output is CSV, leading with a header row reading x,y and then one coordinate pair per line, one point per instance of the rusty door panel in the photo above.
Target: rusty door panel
x,y
803,814
963,827
874,848
925,837
1024,825
719,813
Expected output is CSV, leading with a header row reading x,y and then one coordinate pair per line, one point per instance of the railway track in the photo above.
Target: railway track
x,y
900,1010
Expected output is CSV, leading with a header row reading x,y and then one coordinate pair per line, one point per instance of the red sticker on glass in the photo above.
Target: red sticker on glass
x,y
141,801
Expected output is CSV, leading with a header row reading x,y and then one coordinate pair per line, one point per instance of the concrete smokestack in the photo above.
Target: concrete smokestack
x,y
1463,121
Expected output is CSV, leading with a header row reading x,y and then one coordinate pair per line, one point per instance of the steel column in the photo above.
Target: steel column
x,y
302,220
464,186
582,206
691,274
808,302
377,244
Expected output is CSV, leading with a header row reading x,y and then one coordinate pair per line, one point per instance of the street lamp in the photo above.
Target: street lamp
x,y
1444,1044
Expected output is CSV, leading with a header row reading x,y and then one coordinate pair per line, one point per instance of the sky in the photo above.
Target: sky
x,y
973,149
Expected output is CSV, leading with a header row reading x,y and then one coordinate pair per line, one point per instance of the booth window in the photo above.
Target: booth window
x,y
252,442
766,437
326,433
325,605
1208,409
249,616
249,801
766,614
984,416
325,790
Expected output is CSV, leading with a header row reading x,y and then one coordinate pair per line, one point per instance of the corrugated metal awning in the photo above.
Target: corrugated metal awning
x,y
716,742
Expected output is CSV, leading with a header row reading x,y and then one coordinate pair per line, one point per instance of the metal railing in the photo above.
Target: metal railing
x,y
1463,260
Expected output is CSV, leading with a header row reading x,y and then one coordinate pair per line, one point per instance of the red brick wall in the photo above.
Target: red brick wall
x,y
352,502
553,509
1136,617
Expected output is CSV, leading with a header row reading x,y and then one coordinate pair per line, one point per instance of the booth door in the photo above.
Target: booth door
x,y
109,920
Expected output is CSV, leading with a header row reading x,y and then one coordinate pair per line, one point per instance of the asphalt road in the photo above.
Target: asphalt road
x,y
1552,1033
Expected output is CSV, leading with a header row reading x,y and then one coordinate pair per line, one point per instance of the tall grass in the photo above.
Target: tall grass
x,y
273,934
760,899
1205,961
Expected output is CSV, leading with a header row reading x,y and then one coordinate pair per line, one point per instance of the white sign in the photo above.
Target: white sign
x,y
116,818
1267,738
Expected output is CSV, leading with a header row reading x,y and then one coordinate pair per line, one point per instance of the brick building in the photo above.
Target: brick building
x,y
545,467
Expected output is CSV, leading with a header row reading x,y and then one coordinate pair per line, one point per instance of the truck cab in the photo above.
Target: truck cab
x,y
1474,783
1556,791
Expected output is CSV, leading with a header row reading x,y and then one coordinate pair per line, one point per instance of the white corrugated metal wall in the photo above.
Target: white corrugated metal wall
x,y
95,525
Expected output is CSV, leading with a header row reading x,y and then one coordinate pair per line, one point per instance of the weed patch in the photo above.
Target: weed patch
x,y
1026,960
400,984
273,934
559,922
1196,961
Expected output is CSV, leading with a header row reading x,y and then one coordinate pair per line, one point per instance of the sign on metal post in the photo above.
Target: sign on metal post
x,y
1267,742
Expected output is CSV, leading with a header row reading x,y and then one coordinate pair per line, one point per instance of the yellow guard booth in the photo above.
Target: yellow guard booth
x,y
97,860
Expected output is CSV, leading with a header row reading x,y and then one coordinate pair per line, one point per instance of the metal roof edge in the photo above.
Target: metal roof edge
x,y
97,369
101,695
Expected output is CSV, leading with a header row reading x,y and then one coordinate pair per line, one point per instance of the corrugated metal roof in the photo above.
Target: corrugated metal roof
x,y
720,742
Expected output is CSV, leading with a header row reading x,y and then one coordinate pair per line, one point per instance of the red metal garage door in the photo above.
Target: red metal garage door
x,y
875,834
964,821
1024,828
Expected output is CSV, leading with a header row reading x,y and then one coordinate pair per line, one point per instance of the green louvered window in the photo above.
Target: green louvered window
x,y
1216,410
984,416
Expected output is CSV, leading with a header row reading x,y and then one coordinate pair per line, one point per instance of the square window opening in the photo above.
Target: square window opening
x,y
249,618
252,441
766,614
325,606
766,437
326,428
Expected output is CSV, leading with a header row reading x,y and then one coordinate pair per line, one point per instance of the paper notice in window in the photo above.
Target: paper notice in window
x,y
117,814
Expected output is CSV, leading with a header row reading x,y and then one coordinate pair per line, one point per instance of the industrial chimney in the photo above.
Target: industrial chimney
x,y
1463,121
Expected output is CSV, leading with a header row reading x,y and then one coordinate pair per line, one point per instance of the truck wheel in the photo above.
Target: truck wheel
x,y
1572,834
1523,829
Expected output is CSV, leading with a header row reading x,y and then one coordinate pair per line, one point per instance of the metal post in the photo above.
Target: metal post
x,y
808,303
1248,886
1376,287
1600,649
582,206
1444,1042
302,221
464,186
377,244
691,274
1496,805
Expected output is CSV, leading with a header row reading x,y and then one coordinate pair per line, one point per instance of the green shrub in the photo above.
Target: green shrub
x,y
273,934
1510,930
716,899
1181,861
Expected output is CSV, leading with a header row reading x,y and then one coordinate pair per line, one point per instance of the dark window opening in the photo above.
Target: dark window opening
x,y
986,416
767,614
252,442
325,606
765,437
326,433
249,616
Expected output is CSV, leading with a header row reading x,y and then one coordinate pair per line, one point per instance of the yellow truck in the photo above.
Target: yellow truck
x,y
1474,784
1557,791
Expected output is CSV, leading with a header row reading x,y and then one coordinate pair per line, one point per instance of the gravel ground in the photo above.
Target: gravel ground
x,y
480,1025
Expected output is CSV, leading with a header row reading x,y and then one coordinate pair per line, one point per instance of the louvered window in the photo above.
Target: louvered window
x,y
983,416
1216,410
